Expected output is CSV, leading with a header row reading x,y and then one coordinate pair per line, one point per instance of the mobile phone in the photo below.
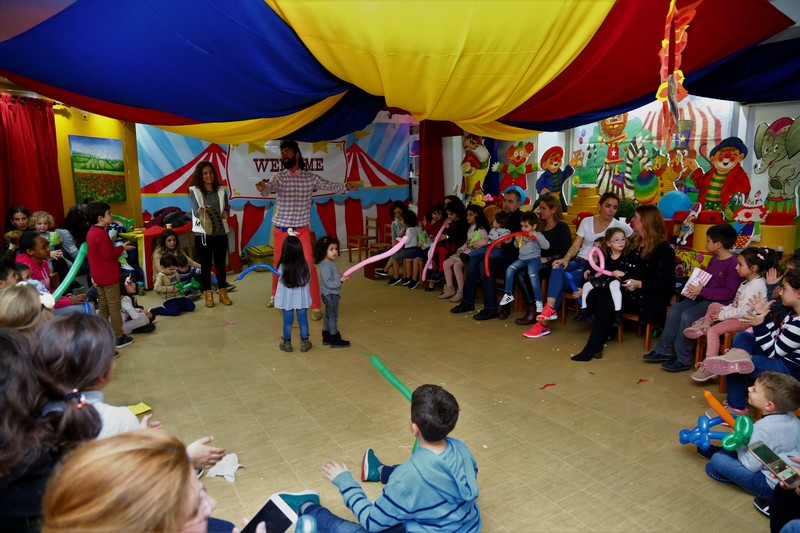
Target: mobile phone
x,y
775,464
276,514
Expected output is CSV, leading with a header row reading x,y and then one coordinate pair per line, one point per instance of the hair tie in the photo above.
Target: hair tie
x,y
75,395
760,256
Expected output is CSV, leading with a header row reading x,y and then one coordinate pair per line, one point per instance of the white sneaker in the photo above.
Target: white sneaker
x,y
507,299
539,307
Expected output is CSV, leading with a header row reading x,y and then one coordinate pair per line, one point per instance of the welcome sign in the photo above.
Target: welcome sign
x,y
251,163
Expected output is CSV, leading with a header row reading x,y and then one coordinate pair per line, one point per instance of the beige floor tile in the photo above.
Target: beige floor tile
x,y
595,451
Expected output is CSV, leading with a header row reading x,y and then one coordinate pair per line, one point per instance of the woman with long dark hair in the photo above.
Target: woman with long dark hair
x,y
647,291
209,200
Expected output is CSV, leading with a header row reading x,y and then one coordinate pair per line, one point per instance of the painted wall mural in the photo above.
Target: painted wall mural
x,y
376,156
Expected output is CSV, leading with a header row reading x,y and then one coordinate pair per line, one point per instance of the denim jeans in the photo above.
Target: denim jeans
x,y
533,273
738,383
727,465
174,307
330,322
555,289
473,275
288,320
330,523
681,316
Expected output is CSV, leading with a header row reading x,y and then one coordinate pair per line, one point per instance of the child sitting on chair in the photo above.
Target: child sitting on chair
x,y
613,246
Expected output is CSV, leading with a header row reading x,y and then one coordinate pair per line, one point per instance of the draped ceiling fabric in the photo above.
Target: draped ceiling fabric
x,y
230,71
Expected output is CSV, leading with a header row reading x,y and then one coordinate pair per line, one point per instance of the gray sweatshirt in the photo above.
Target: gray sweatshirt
x,y
329,278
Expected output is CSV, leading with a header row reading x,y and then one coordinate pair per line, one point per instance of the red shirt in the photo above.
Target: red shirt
x,y
103,257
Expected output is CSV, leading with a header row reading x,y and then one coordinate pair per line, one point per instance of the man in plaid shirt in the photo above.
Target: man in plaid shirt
x,y
294,187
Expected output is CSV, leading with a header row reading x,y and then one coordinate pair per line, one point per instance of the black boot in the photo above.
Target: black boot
x,y
587,354
336,341
582,315
617,319
529,318
326,338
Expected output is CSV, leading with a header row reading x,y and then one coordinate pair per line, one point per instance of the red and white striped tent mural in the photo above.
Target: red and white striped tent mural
x,y
381,187
707,132
177,182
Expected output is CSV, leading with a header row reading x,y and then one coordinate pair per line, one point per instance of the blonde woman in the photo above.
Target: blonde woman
x,y
21,309
138,481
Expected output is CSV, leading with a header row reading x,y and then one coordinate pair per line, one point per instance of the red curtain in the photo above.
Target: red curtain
x,y
29,156
431,164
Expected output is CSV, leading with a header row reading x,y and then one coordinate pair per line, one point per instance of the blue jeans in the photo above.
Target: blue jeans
x,y
330,523
533,273
727,465
473,274
738,383
555,289
747,342
330,322
288,320
174,307
681,316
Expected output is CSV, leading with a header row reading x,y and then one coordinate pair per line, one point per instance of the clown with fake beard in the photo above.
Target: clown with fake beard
x,y
294,187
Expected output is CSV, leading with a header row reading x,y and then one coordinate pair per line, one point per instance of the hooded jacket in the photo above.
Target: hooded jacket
x,y
429,492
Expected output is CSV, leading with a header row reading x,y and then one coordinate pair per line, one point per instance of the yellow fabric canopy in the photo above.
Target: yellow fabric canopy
x,y
418,53
256,129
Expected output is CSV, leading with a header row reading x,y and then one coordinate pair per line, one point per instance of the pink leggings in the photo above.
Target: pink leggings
x,y
719,329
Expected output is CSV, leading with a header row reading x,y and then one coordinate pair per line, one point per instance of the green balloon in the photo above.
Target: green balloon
x,y
742,431
76,265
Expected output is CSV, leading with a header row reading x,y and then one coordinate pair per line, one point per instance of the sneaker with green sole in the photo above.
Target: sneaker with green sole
x,y
295,500
369,466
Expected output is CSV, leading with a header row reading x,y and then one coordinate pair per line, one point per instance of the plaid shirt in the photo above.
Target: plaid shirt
x,y
293,205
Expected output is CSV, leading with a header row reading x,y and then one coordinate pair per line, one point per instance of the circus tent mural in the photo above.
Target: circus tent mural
x,y
166,162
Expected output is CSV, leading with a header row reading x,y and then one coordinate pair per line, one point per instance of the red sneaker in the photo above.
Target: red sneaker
x,y
548,313
538,330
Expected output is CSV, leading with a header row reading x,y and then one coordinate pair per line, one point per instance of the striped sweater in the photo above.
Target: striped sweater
x,y
781,340
429,492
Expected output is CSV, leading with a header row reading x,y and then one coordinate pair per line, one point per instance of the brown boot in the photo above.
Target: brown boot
x,y
209,298
529,318
223,297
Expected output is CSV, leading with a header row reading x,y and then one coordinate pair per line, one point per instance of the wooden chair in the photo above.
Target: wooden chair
x,y
383,244
361,242
700,349
648,328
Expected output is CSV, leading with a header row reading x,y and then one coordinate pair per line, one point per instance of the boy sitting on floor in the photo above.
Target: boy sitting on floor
x,y
435,490
776,395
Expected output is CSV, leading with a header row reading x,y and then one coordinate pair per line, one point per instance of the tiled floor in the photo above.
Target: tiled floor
x,y
596,451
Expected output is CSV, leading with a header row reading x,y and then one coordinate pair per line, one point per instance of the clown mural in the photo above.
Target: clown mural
x,y
552,180
613,133
474,166
515,173
726,177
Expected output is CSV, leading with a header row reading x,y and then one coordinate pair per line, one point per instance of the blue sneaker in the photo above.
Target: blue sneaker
x,y
673,365
369,467
655,357
295,500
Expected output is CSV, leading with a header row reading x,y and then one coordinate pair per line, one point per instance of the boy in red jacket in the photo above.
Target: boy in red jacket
x,y
104,267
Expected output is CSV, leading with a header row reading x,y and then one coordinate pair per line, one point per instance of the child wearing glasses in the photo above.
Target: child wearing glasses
x,y
612,245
